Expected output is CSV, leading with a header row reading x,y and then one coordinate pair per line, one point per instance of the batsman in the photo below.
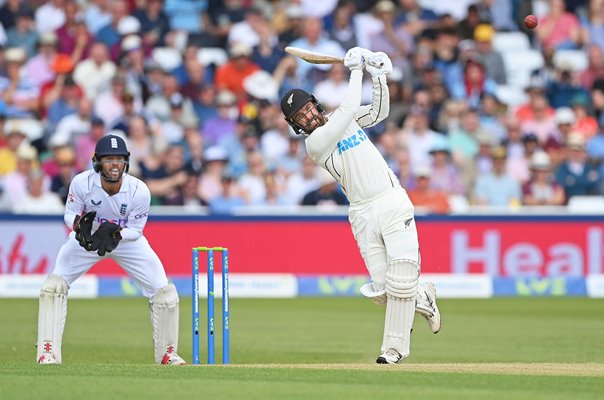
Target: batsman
x,y
381,214
107,211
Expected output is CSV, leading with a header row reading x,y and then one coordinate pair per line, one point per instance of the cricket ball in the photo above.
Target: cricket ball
x,y
531,21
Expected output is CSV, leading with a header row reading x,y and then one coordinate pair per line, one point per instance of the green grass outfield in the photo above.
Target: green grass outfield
x,y
319,348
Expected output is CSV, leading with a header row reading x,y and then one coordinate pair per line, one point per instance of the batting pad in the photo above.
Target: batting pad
x,y
401,290
52,314
164,318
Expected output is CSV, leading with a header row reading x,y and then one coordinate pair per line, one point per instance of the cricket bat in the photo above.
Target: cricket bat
x,y
316,58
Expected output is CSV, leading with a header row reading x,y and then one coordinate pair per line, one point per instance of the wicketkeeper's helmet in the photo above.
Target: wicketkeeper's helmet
x,y
110,145
292,102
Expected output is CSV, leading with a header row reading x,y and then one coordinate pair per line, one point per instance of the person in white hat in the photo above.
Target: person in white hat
x,y
542,189
575,174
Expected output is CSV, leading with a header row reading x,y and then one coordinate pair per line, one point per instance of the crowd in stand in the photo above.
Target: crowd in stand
x,y
194,86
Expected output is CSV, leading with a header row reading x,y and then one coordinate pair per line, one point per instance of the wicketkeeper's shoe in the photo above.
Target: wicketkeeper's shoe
x,y
47,358
434,319
172,359
390,356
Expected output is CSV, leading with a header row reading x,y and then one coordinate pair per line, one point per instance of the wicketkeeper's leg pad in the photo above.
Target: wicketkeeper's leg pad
x,y
164,318
52,313
401,291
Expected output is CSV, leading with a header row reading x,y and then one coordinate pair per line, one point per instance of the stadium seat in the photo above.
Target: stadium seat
x,y
510,42
576,59
520,65
167,57
511,95
212,55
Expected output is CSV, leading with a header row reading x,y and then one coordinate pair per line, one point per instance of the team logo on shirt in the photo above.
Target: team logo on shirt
x,y
123,208
94,203
70,198
351,142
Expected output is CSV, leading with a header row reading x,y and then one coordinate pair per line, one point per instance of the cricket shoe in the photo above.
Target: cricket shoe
x,y
390,356
433,314
47,358
172,359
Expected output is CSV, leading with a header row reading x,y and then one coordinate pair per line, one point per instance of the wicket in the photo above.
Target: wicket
x,y
210,311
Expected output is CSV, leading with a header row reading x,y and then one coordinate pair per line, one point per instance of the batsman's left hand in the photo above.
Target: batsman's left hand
x,y
106,238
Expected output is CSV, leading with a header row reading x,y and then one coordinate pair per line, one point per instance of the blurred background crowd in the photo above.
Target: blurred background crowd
x,y
484,112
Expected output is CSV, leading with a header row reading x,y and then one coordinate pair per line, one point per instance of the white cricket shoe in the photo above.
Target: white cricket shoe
x,y
434,319
47,358
172,359
390,356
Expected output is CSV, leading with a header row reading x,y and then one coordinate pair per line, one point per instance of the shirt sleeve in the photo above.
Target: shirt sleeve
x,y
138,216
75,202
379,108
324,139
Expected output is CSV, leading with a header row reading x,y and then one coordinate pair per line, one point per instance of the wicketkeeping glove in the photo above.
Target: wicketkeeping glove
x,y
106,238
354,59
378,64
82,226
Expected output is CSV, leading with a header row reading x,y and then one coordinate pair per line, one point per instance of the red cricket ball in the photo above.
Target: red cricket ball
x,y
531,21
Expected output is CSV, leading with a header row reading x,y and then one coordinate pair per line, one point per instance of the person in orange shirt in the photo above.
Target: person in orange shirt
x,y
535,91
423,196
230,75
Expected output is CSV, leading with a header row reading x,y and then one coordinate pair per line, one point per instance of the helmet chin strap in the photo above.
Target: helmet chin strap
x,y
111,180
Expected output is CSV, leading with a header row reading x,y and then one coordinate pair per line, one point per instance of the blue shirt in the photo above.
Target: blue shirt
x,y
185,14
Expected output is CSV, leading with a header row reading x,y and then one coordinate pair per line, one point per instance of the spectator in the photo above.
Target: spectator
x,y
593,24
300,181
564,86
109,34
223,124
9,11
585,124
274,191
230,75
97,15
267,54
395,41
144,143
252,182
94,74
154,23
542,122
85,145
77,124
37,199
535,91
444,175
66,103
15,182
8,154
159,105
23,34
66,162
229,198
210,182
542,189
109,104
73,36
466,27
39,68
19,94
415,18
577,177
50,16
490,58
595,153
342,30
595,68
166,181
417,136
330,92
559,29
327,195
497,188
425,196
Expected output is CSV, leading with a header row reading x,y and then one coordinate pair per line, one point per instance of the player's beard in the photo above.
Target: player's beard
x,y
315,122
113,175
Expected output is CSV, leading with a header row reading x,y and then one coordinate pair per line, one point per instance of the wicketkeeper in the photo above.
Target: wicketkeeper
x,y
107,210
381,214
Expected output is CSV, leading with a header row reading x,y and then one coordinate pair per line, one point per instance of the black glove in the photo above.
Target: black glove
x,y
106,238
82,225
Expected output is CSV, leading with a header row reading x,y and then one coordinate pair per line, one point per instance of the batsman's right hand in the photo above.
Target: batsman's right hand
x,y
354,59
83,229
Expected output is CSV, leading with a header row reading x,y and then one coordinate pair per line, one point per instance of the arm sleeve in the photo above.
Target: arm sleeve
x,y
75,203
138,216
323,140
379,108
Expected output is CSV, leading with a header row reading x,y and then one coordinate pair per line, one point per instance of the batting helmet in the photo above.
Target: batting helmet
x,y
110,145
292,102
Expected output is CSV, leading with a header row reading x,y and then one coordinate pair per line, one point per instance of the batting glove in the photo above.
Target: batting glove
x,y
378,64
354,59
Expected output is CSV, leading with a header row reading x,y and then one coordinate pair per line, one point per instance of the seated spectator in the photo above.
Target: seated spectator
x,y
223,124
342,28
595,68
274,191
559,29
23,34
464,145
490,58
497,188
39,68
299,181
593,24
77,124
585,124
144,142
541,123
8,153
564,86
330,92
229,198
108,34
154,22
252,182
66,162
65,104
97,15
417,136
230,75
8,13
425,197
50,16
445,177
158,106
84,145
94,73
327,195
19,94
542,189
210,182
577,177
15,182
74,38
166,181
37,199
394,40
535,91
